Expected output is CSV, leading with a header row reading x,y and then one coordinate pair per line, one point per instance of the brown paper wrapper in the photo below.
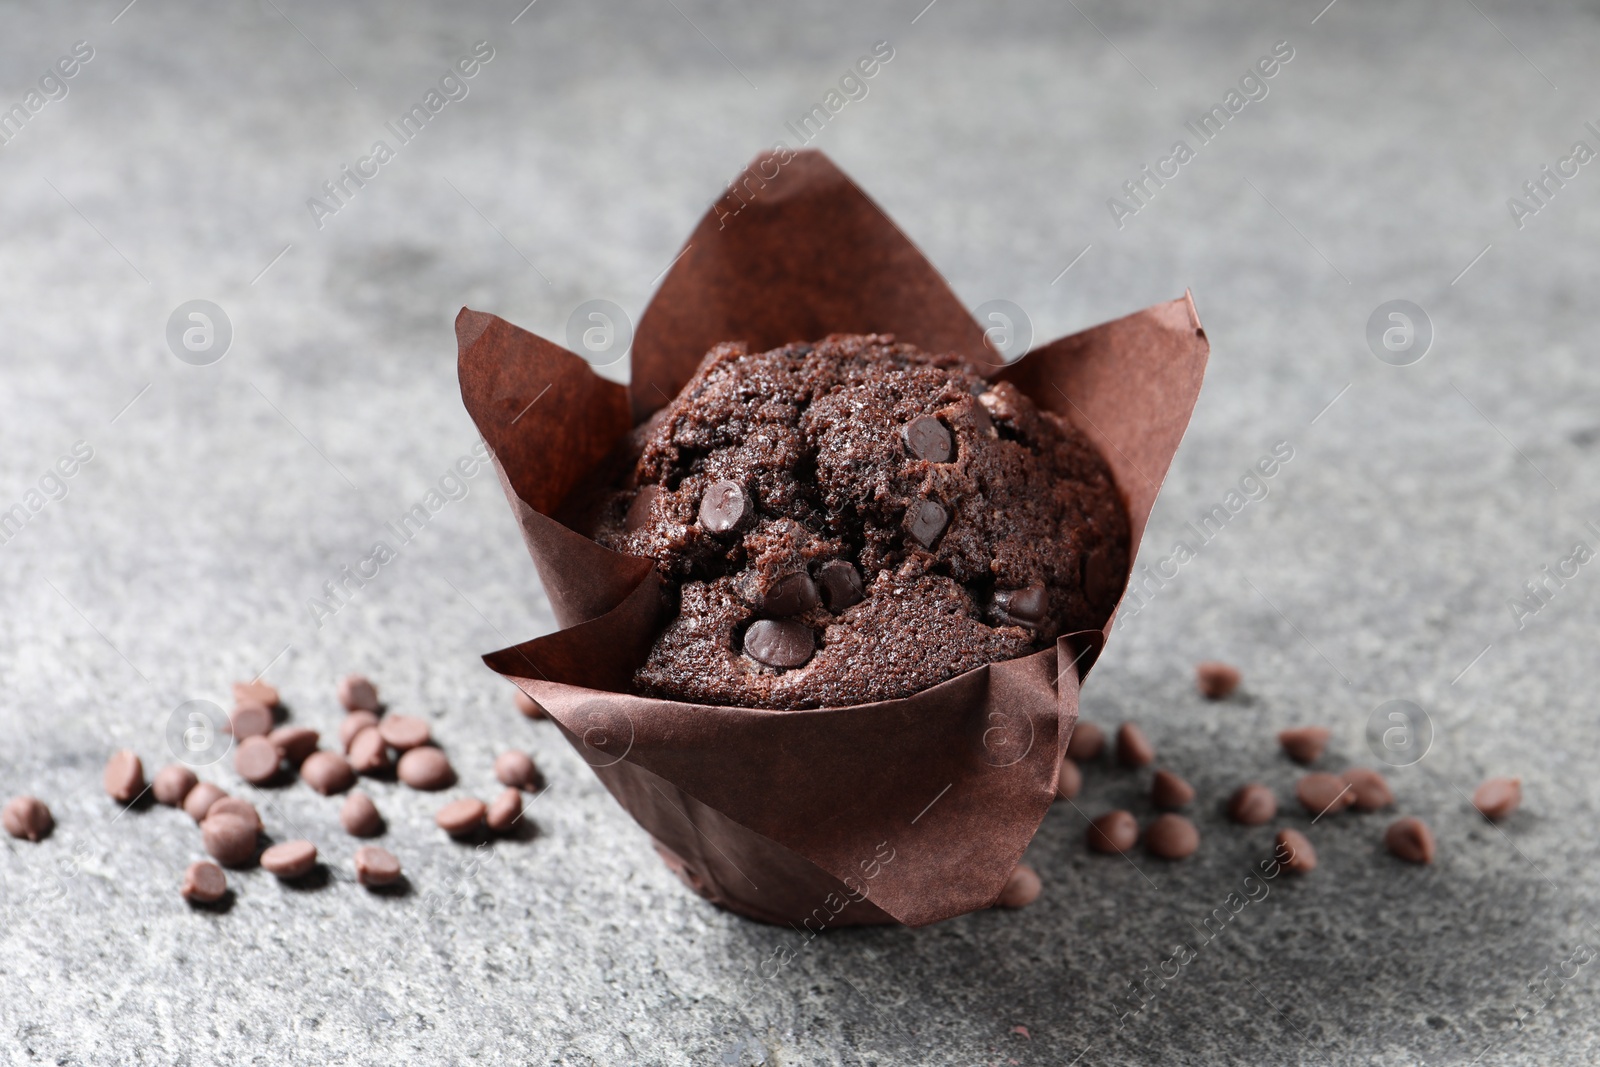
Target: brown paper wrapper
x,y
911,810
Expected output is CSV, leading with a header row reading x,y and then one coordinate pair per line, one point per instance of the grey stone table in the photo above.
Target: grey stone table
x,y
1388,559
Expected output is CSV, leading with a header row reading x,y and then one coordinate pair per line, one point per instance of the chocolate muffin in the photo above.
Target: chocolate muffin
x,y
856,520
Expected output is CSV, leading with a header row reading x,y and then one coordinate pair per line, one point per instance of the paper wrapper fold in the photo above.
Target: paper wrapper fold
x,y
911,810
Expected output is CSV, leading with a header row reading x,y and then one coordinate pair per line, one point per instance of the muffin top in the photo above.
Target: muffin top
x,y
857,520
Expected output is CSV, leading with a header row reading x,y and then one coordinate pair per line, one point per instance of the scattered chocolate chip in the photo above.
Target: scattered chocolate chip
x,y
255,693
203,883
1369,791
1069,783
1022,888
1409,839
295,743
1321,793
1133,748
461,818
1304,744
781,643
124,776
1294,852
353,724
1086,743
27,818
1252,805
291,859
504,811
376,866
197,805
172,784
357,693
256,759
1115,831
359,816
638,516
237,806
368,754
327,772
840,584
529,706
1171,837
1169,792
1216,680
426,768
229,839
249,720
404,731
725,507
793,594
515,768
1028,606
1498,797
928,520
926,438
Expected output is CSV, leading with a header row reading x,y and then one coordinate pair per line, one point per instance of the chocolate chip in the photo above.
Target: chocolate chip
x,y
229,839
638,516
1086,743
369,754
1321,793
295,743
255,693
236,806
1171,837
291,859
1115,831
376,866
529,706
1252,805
725,507
926,438
1169,792
1498,797
124,777
327,772
203,883
359,816
504,811
840,583
1022,888
1294,851
1069,782
1216,680
515,768
353,724
256,759
249,719
404,731
1368,789
197,805
426,768
1409,839
461,818
27,818
172,784
1304,744
1028,606
357,693
793,594
928,519
1133,748
781,643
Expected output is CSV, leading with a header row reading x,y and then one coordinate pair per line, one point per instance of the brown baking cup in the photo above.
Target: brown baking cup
x,y
911,810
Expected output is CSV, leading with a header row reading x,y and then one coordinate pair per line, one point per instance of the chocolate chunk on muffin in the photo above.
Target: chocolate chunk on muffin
x,y
856,520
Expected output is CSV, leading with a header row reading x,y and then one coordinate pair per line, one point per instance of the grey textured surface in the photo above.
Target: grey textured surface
x,y
220,498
